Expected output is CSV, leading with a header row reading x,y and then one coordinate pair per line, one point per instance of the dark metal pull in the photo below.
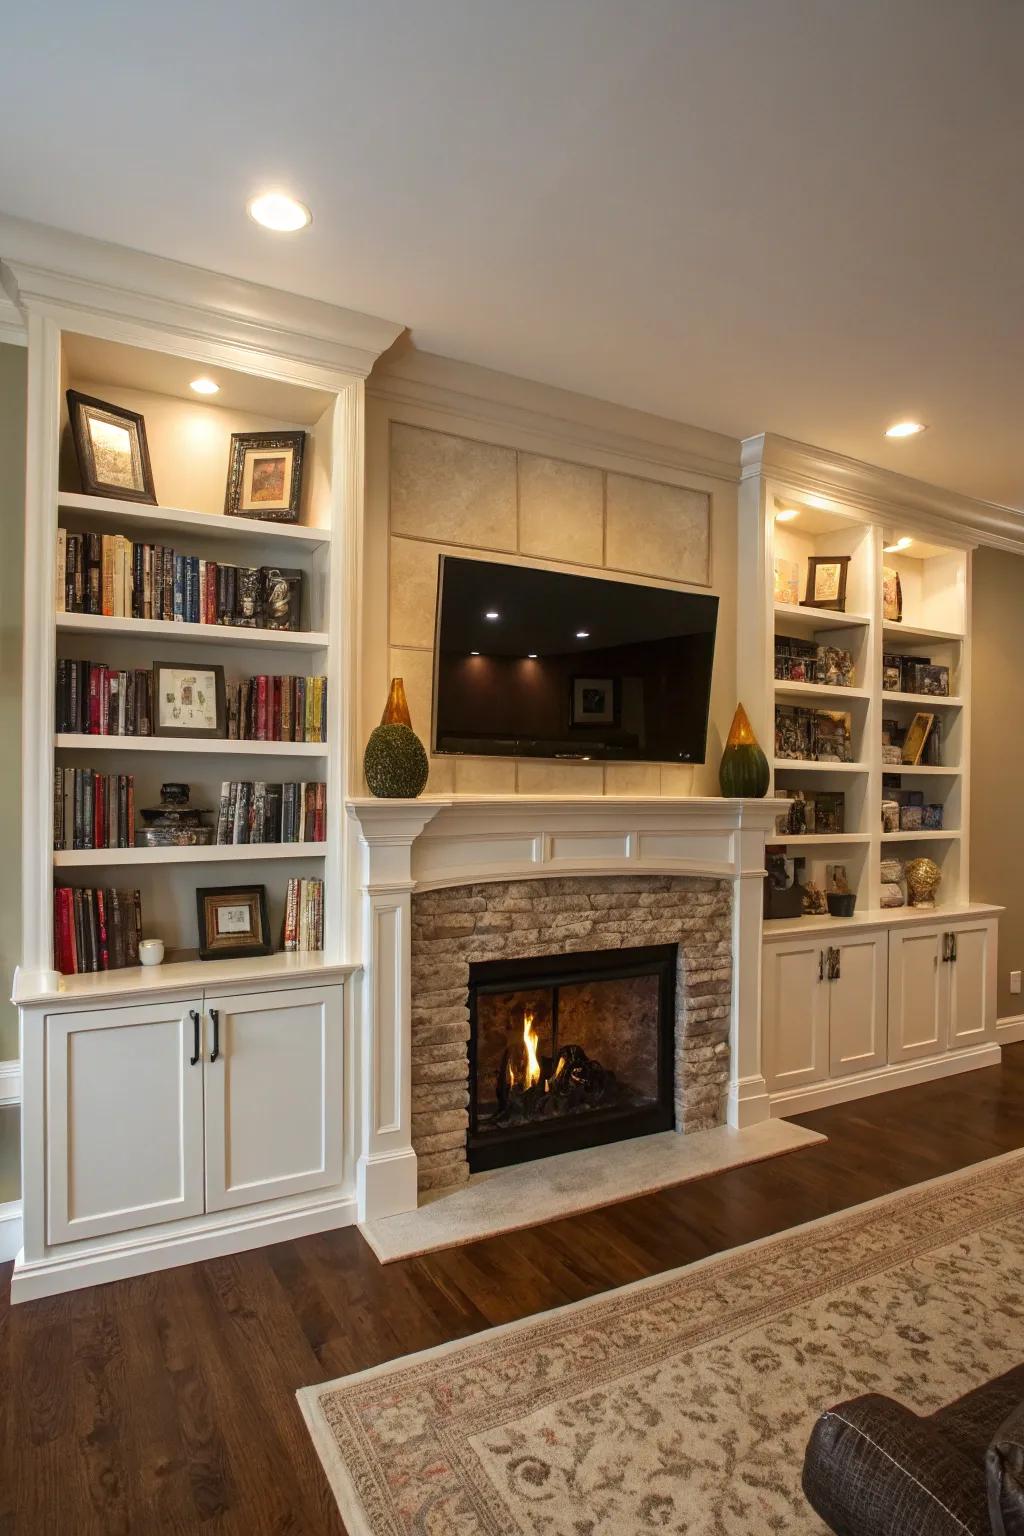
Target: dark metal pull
x,y
952,947
821,965
833,965
948,947
193,1015
215,1016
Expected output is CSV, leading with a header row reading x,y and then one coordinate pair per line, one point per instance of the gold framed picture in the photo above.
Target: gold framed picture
x,y
826,582
111,448
265,475
232,922
916,739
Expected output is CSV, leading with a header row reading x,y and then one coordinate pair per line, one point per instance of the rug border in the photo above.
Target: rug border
x,y
350,1504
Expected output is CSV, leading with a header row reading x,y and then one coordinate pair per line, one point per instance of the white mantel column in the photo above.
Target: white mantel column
x,y
386,1167
748,1101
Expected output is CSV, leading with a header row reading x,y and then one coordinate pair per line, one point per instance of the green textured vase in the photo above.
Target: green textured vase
x,y
395,763
743,772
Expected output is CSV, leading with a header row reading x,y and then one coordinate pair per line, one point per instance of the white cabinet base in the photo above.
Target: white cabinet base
x,y
800,1101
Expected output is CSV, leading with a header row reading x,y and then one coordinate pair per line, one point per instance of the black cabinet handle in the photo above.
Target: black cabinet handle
x,y
193,1015
215,1016
821,965
952,947
833,965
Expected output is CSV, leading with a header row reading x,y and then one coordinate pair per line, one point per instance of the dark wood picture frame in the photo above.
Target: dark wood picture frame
x,y
79,408
220,702
916,739
837,603
232,946
271,443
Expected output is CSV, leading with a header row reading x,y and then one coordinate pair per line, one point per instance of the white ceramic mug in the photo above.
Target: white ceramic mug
x,y
151,951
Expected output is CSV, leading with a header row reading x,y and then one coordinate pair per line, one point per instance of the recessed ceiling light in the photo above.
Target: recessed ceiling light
x,y
492,614
474,653
531,655
904,429
891,549
788,515
279,212
583,634
205,386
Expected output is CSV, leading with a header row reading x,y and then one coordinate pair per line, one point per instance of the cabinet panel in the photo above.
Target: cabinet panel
x,y
858,1005
794,1014
124,1119
972,984
917,994
273,1095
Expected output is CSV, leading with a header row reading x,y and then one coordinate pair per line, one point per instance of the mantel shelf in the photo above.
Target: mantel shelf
x,y
215,747
193,634
137,518
227,853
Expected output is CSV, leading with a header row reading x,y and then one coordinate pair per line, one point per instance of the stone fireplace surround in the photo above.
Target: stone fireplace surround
x,y
445,881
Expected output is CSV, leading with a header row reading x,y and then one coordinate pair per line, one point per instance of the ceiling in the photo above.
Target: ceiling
x,y
801,216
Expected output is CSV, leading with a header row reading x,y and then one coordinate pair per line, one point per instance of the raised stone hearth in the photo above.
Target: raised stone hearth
x,y
462,924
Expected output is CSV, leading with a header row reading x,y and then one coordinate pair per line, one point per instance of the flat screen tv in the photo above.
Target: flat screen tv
x,y
537,663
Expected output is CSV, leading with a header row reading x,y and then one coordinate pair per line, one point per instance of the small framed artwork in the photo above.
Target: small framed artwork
x,y
826,582
232,922
111,448
892,596
916,737
265,475
188,701
594,701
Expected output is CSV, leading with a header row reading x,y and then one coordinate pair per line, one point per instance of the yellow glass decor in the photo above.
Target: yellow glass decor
x,y
396,710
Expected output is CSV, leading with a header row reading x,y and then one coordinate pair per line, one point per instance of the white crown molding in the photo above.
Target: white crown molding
x,y
881,493
56,272
12,323
540,414
10,1083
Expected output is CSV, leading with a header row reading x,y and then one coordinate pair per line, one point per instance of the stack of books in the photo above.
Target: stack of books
x,y
95,700
95,930
106,573
93,810
257,812
277,709
304,915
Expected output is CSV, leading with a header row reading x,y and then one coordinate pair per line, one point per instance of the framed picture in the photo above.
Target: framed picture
x,y
188,701
265,475
826,582
111,448
892,596
233,922
594,701
916,737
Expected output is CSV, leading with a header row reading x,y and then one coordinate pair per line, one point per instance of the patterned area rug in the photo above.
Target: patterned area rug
x,y
683,1403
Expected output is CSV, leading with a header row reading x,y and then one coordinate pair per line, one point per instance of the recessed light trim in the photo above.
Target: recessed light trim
x,y
279,212
205,386
905,429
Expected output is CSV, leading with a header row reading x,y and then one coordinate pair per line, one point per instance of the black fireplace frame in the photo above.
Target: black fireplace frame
x,y
497,1148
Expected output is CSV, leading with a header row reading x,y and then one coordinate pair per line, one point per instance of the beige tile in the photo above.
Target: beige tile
x,y
677,779
632,779
658,530
561,510
543,778
412,585
452,489
485,776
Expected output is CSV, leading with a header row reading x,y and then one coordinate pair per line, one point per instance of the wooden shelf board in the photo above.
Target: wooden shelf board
x,y
878,917
924,770
919,632
820,618
86,858
926,835
178,975
799,765
219,747
949,701
808,839
818,691
194,634
135,517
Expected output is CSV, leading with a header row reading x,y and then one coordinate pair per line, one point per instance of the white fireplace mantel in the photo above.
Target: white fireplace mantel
x,y
408,845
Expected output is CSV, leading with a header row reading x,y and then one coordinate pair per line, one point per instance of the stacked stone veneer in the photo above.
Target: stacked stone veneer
x,y
452,928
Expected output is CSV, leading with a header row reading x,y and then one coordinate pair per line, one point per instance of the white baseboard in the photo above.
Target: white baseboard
x,y
1009,1031
10,1231
861,1085
54,1275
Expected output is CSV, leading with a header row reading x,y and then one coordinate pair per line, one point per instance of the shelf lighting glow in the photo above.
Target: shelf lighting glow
x,y
904,429
279,212
788,515
892,549
205,386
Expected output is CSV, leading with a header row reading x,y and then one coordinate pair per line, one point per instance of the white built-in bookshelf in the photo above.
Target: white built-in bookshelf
x,y
934,574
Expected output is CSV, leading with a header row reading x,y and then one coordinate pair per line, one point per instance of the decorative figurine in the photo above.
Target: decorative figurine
x,y
923,879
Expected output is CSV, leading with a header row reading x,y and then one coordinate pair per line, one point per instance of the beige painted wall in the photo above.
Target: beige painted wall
x,y
12,508
997,822
467,461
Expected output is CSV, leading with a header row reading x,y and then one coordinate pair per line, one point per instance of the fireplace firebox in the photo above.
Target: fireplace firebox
x,y
569,1051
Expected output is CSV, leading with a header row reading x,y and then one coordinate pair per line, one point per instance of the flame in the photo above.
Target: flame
x,y
531,1040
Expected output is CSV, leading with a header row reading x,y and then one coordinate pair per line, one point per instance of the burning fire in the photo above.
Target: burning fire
x,y
531,1040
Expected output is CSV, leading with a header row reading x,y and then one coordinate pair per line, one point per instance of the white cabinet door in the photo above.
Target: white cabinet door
x,y
971,980
794,1012
273,1095
858,1004
918,997
124,1116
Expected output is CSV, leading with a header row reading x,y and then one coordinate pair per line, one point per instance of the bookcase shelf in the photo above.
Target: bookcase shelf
x,y
916,632
204,634
193,746
227,853
820,691
811,765
819,618
135,519
922,701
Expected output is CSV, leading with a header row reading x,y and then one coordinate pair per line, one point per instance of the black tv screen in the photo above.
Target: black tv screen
x,y
537,663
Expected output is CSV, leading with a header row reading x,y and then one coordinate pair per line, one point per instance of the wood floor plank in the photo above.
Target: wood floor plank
x,y
166,1404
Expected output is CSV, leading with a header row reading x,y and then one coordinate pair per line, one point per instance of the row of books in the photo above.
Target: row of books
x,y
95,700
304,915
95,930
106,573
266,708
93,810
257,812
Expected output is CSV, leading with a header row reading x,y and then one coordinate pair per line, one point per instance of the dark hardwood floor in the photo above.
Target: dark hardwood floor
x,y
165,1404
